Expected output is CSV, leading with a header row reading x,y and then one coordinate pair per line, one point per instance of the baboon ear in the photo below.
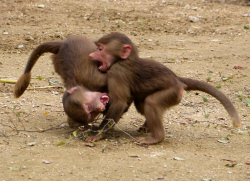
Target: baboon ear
x,y
126,50
72,89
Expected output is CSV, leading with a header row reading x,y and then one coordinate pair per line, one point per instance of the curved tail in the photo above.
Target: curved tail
x,y
205,87
24,79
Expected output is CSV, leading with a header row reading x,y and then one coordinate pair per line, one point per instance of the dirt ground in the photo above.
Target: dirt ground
x,y
200,39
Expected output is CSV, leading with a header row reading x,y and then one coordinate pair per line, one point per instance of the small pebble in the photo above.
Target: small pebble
x,y
193,19
41,6
20,46
56,93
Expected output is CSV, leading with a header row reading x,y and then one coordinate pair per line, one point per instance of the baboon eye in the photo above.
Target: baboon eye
x,y
88,107
99,48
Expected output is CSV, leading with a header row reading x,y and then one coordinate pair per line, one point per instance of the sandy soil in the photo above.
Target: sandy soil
x,y
200,143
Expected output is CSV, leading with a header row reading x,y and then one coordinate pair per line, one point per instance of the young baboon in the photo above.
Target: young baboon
x,y
83,99
152,86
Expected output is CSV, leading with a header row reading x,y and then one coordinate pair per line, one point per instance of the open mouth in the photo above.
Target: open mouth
x,y
100,65
105,99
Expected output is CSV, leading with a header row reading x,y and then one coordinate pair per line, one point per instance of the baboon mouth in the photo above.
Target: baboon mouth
x,y
105,99
100,65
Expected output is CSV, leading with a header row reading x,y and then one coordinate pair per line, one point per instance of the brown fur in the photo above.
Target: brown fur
x,y
152,86
71,61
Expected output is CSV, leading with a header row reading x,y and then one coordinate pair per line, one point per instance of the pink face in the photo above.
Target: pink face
x,y
95,103
104,58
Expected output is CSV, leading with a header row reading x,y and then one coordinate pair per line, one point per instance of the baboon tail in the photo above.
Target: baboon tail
x,y
205,87
24,79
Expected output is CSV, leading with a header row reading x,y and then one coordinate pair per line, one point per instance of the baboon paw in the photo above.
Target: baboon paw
x,y
148,140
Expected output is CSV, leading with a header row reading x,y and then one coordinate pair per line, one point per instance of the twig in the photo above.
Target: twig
x,y
48,129
8,81
39,131
46,87
109,126
136,140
